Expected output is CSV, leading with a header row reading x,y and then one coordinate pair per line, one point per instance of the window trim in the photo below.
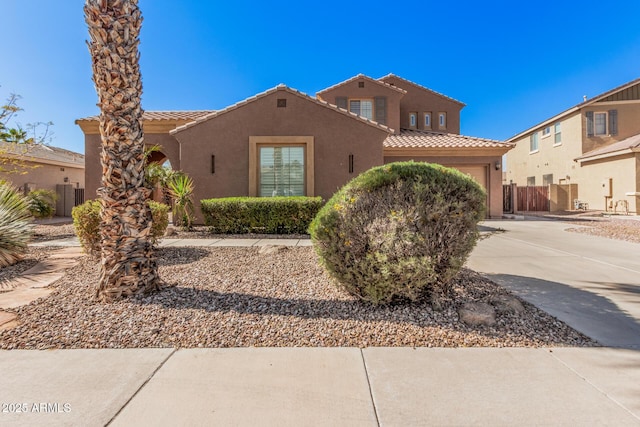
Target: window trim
x,y
557,132
548,131
442,120
255,142
606,123
531,138
373,106
426,116
414,116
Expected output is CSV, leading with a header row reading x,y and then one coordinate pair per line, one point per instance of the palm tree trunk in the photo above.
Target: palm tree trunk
x,y
128,263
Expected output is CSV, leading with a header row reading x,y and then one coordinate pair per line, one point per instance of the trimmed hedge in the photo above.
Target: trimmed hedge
x,y
86,222
270,215
399,231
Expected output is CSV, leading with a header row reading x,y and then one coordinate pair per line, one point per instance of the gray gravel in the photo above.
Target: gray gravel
x,y
236,297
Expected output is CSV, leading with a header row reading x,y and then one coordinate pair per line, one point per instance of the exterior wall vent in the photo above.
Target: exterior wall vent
x,y
360,84
282,103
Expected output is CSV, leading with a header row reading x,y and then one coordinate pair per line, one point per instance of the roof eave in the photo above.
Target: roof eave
x,y
607,155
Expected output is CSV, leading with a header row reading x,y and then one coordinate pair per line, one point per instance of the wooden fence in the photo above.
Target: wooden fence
x,y
533,199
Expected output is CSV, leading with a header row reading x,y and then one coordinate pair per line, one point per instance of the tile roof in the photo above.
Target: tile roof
x,y
633,142
362,76
421,87
163,115
284,88
424,139
42,152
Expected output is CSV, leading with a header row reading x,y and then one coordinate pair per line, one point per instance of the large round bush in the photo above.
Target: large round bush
x,y
402,230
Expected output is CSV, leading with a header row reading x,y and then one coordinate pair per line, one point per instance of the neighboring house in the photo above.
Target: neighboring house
x,y
36,166
595,144
284,142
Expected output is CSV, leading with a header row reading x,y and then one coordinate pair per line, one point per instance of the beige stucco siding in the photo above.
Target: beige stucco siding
x,y
620,170
628,123
44,176
550,158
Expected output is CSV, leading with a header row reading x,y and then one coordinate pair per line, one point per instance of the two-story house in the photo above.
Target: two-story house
x,y
284,142
595,144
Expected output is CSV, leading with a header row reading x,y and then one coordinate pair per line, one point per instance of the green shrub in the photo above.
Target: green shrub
x,y
15,225
399,231
270,215
42,203
86,221
160,219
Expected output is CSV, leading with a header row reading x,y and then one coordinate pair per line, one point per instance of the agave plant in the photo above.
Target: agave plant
x,y
181,190
15,225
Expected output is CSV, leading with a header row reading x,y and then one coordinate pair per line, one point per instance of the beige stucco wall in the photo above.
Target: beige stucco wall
x,y
227,136
494,177
45,176
624,173
550,158
628,123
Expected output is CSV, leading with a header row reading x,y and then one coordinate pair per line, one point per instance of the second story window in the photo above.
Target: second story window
x,y
533,143
546,131
600,121
362,107
413,120
442,120
557,134
427,120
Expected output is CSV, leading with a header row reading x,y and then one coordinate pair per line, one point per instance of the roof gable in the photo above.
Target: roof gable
x,y
627,91
409,82
361,77
278,88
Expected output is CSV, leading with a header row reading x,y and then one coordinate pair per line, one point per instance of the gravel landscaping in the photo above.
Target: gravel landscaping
x,y
238,297
612,228
31,258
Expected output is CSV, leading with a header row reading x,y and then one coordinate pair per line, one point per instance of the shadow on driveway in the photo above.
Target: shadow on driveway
x,y
590,313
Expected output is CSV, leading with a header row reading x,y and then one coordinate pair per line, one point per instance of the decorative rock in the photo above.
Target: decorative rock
x,y
507,304
170,231
477,314
272,249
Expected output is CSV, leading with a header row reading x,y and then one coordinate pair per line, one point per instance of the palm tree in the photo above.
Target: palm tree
x,y
128,263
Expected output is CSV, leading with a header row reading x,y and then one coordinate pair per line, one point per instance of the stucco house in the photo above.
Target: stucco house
x,y
284,142
594,145
44,167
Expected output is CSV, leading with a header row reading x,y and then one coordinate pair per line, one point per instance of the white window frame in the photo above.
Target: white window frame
x,y
557,134
442,120
546,131
534,140
595,121
426,120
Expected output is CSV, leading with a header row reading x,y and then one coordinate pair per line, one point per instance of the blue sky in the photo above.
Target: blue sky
x,y
513,63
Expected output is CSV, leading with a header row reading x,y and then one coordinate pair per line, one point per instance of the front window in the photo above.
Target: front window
x,y
533,143
362,107
557,134
546,131
600,121
281,171
412,120
427,120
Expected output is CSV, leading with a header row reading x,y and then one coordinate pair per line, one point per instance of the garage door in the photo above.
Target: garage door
x,y
479,173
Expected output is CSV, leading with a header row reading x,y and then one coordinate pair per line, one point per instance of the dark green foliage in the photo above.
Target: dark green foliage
x,y
86,221
42,203
271,215
15,225
402,230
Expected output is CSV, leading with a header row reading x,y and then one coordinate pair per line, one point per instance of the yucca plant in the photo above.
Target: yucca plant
x,y
181,190
15,225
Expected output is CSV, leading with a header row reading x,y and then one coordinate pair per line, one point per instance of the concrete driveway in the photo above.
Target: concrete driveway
x,y
591,283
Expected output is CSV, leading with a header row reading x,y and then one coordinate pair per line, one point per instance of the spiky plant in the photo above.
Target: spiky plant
x,y
15,225
181,190
128,263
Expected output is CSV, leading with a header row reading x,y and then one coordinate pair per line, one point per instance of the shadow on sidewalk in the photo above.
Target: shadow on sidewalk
x,y
594,315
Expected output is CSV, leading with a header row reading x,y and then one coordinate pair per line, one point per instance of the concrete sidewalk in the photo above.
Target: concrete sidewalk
x,y
321,386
